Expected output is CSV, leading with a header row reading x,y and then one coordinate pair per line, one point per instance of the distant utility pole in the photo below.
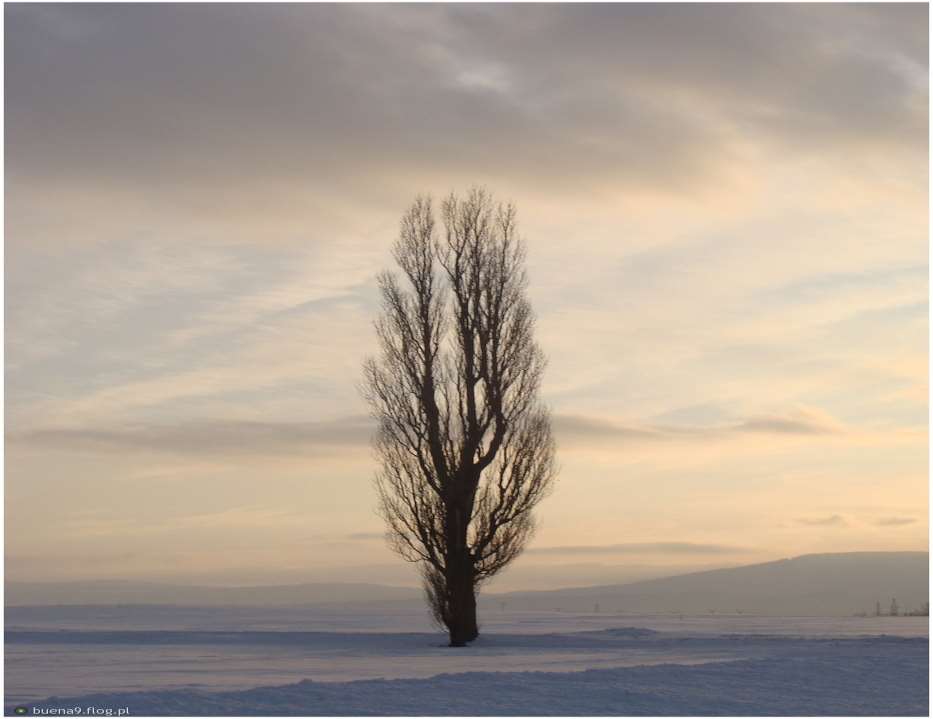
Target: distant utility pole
x,y
877,609
895,610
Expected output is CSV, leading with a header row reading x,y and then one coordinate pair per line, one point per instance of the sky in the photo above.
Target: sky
x,y
725,210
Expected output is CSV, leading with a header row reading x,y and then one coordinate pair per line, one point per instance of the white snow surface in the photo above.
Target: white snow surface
x,y
277,662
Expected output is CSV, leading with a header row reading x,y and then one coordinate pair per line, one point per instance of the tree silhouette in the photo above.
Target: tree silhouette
x,y
464,445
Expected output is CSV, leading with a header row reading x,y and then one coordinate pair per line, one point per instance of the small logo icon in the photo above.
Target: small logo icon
x,y
21,710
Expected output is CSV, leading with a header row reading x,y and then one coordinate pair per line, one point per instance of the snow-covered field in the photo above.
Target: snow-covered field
x,y
162,660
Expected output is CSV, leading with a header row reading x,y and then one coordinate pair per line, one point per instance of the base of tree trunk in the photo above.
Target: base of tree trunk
x,y
462,638
460,642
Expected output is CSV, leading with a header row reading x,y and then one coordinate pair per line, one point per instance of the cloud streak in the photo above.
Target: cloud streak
x,y
356,431
800,423
834,520
222,437
895,521
365,536
649,548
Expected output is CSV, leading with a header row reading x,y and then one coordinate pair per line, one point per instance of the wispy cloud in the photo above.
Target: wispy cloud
x,y
895,521
262,437
231,519
220,437
799,422
833,520
644,548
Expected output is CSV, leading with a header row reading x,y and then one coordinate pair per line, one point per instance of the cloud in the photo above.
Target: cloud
x,y
800,422
165,326
833,520
220,437
895,521
643,548
578,427
785,425
20,562
451,87
211,437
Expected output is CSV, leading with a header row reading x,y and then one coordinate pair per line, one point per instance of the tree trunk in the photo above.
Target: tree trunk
x,y
461,595
462,605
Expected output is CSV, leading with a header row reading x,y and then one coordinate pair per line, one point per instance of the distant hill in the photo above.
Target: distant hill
x,y
128,592
810,585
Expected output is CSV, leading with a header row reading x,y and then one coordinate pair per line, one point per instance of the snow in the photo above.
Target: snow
x,y
524,664
351,618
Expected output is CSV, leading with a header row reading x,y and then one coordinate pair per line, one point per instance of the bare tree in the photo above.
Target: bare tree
x,y
464,444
